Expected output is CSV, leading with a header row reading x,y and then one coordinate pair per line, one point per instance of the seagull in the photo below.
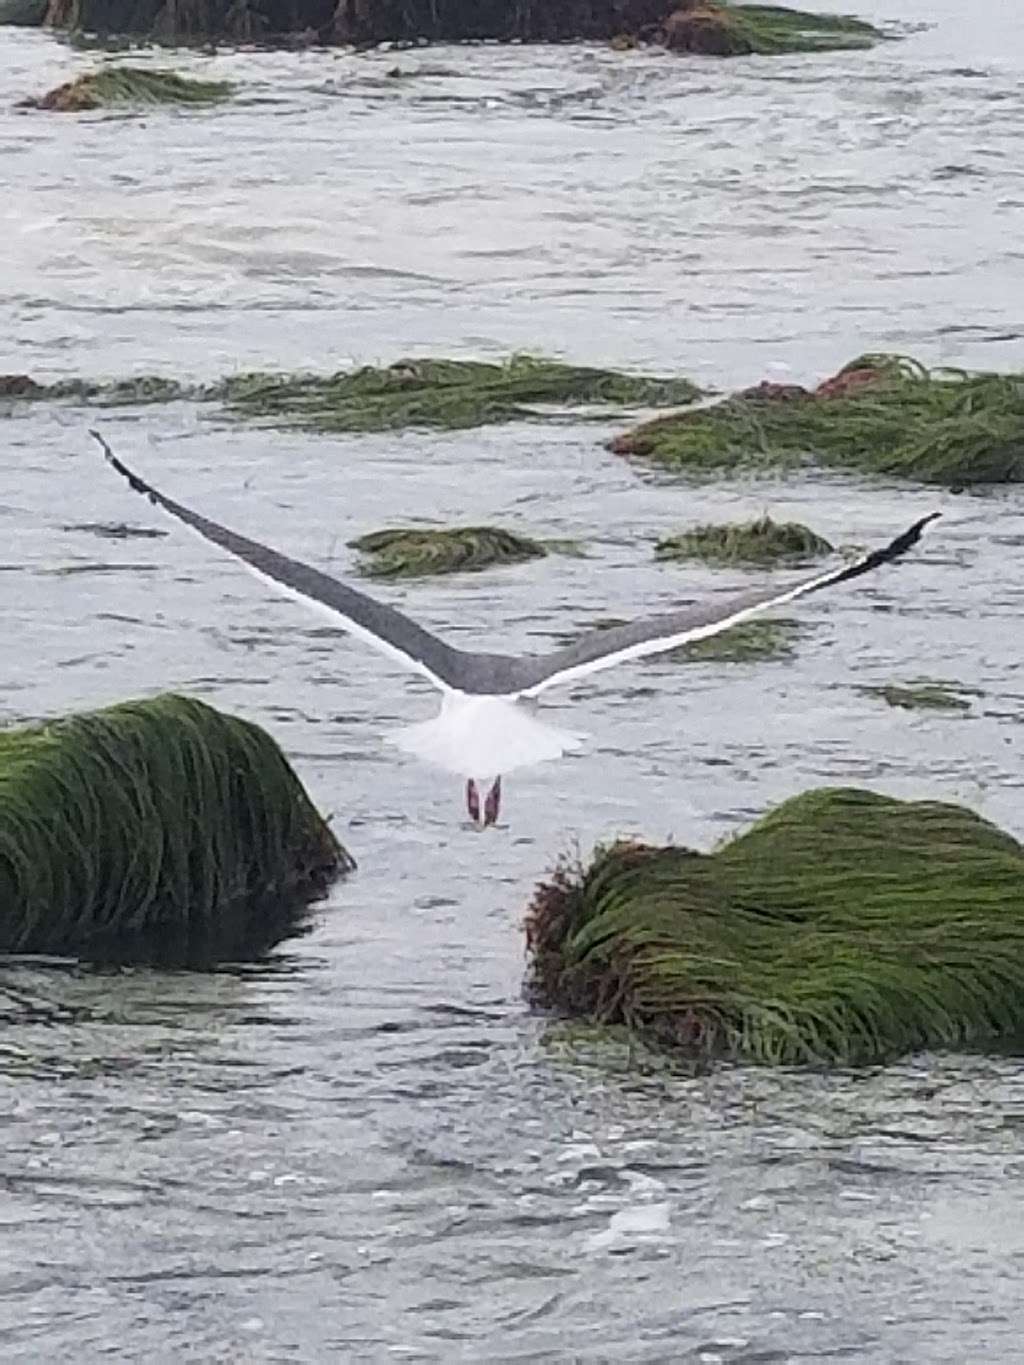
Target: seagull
x,y
486,727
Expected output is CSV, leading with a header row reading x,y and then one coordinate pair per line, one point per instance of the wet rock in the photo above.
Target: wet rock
x,y
24,13
706,30
19,386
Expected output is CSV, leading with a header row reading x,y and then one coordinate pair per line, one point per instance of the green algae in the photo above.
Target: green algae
x,y
449,394
114,85
723,30
158,829
415,553
445,394
843,928
882,415
922,696
761,542
751,642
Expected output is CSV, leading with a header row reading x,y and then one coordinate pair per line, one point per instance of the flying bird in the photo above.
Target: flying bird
x,y
486,727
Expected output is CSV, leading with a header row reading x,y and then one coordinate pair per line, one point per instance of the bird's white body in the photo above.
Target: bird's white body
x,y
483,736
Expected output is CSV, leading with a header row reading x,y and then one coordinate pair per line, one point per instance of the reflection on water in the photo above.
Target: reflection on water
x,y
366,1148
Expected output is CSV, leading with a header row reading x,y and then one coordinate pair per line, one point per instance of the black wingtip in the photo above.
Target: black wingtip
x,y
886,553
133,480
904,542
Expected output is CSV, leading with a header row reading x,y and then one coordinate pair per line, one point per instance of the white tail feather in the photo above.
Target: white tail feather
x,y
483,737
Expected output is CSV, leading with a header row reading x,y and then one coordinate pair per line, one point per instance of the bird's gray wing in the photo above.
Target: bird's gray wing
x,y
380,626
600,649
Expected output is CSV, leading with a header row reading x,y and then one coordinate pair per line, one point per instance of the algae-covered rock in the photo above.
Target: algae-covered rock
x,y
885,415
922,696
129,85
762,542
410,552
844,927
714,28
751,642
440,393
156,829
723,30
411,393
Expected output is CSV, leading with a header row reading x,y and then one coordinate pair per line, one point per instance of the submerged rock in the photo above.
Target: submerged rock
x,y
158,830
843,928
416,553
761,542
880,414
129,85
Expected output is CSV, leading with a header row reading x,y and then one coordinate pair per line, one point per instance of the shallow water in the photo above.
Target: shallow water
x,y
368,1148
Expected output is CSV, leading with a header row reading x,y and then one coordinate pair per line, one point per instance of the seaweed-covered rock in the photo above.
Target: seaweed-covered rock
x,y
751,642
760,542
722,29
880,415
440,393
843,928
412,552
155,830
411,393
129,85
922,696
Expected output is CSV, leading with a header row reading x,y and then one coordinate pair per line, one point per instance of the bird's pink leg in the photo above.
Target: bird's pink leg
x,y
473,801
493,803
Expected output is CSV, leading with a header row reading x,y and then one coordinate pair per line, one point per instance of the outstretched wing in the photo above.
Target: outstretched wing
x,y
601,649
382,627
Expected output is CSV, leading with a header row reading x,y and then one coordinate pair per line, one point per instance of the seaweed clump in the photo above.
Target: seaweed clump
x,y
415,553
129,85
446,394
881,414
760,542
449,394
719,30
922,696
750,642
155,830
843,928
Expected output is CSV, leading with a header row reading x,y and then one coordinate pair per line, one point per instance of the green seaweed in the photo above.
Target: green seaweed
x,y
158,828
942,427
843,928
451,394
411,552
447,394
760,542
143,86
724,30
922,696
751,642
774,30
